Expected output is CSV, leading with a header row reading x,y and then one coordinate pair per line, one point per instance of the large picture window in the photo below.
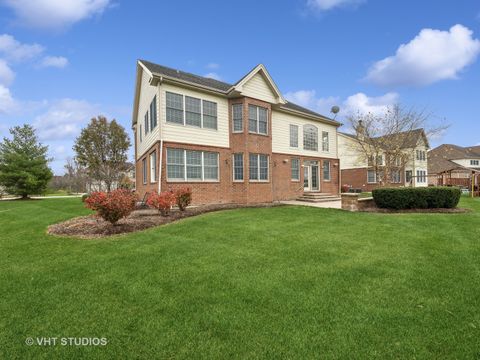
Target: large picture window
x,y
237,115
238,167
257,119
295,168
190,165
197,112
310,137
294,136
258,167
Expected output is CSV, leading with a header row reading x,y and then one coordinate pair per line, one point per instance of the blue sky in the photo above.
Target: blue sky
x,y
65,61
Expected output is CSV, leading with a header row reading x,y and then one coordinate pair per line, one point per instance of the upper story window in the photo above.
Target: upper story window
x,y
310,137
187,110
237,116
146,123
257,120
375,159
294,136
421,155
475,162
325,141
153,113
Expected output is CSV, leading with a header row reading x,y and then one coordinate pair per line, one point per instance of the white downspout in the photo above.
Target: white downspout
x,y
160,129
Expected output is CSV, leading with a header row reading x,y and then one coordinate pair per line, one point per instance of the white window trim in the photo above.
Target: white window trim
x,y
184,117
327,143
474,162
185,180
258,169
144,171
257,132
233,119
303,138
292,179
233,168
153,167
290,136
375,177
329,171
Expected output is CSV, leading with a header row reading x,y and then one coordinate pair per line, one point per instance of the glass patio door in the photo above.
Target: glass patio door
x,y
306,178
314,183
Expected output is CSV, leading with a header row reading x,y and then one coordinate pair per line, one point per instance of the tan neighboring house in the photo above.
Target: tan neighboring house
x,y
454,165
231,143
359,172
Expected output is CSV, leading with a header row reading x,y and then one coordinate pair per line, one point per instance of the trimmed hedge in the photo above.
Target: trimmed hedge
x,y
417,198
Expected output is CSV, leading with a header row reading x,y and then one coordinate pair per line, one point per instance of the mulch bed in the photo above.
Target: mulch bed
x,y
92,227
414,211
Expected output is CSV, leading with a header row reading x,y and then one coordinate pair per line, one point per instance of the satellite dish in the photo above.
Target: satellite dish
x,y
335,109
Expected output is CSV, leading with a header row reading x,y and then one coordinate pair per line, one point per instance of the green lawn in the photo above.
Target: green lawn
x,y
285,282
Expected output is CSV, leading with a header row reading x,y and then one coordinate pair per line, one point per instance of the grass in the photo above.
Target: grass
x,y
285,282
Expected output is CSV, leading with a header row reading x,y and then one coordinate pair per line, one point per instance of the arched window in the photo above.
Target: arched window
x,y
310,137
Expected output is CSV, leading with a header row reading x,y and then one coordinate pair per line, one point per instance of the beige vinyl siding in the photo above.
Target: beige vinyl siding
x,y
349,153
258,88
147,92
191,134
281,122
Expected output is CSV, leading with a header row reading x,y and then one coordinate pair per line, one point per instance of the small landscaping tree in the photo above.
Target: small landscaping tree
x,y
183,197
24,167
112,206
163,202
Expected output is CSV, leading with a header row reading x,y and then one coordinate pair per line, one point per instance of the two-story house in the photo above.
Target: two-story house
x,y
454,165
231,143
407,167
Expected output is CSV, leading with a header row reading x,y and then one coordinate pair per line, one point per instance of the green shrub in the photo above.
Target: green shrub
x,y
85,197
417,198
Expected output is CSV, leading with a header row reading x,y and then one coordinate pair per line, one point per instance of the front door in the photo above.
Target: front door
x,y
311,177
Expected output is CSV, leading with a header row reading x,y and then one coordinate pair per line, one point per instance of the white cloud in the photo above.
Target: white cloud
x,y
433,55
54,14
213,75
54,61
7,103
363,104
212,66
6,74
357,103
13,50
64,119
325,5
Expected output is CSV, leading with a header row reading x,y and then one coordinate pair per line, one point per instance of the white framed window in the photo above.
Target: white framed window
x,y
398,161
238,167
153,113
295,169
395,177
310,137
294,136
209,114
325,141
258,167
475,162
192,165
421,155
174,108
421,176
144,171
371,177
146,122
237,116
326,170
153,167
140,134
257,119
191,111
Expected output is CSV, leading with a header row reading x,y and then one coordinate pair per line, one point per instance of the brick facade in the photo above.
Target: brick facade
x,y
278,187
357,179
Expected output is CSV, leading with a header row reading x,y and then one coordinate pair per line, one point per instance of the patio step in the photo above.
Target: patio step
x,y
318,197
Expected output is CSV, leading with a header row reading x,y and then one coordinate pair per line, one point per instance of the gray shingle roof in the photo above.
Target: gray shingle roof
x,y
408,139
439,159
216,85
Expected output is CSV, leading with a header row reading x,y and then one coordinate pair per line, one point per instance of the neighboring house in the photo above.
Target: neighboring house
x,y
127,180
365,173
231,143
454,165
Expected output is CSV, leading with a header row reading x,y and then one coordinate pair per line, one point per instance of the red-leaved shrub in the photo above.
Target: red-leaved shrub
x,y
184,197
163,202
112,206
